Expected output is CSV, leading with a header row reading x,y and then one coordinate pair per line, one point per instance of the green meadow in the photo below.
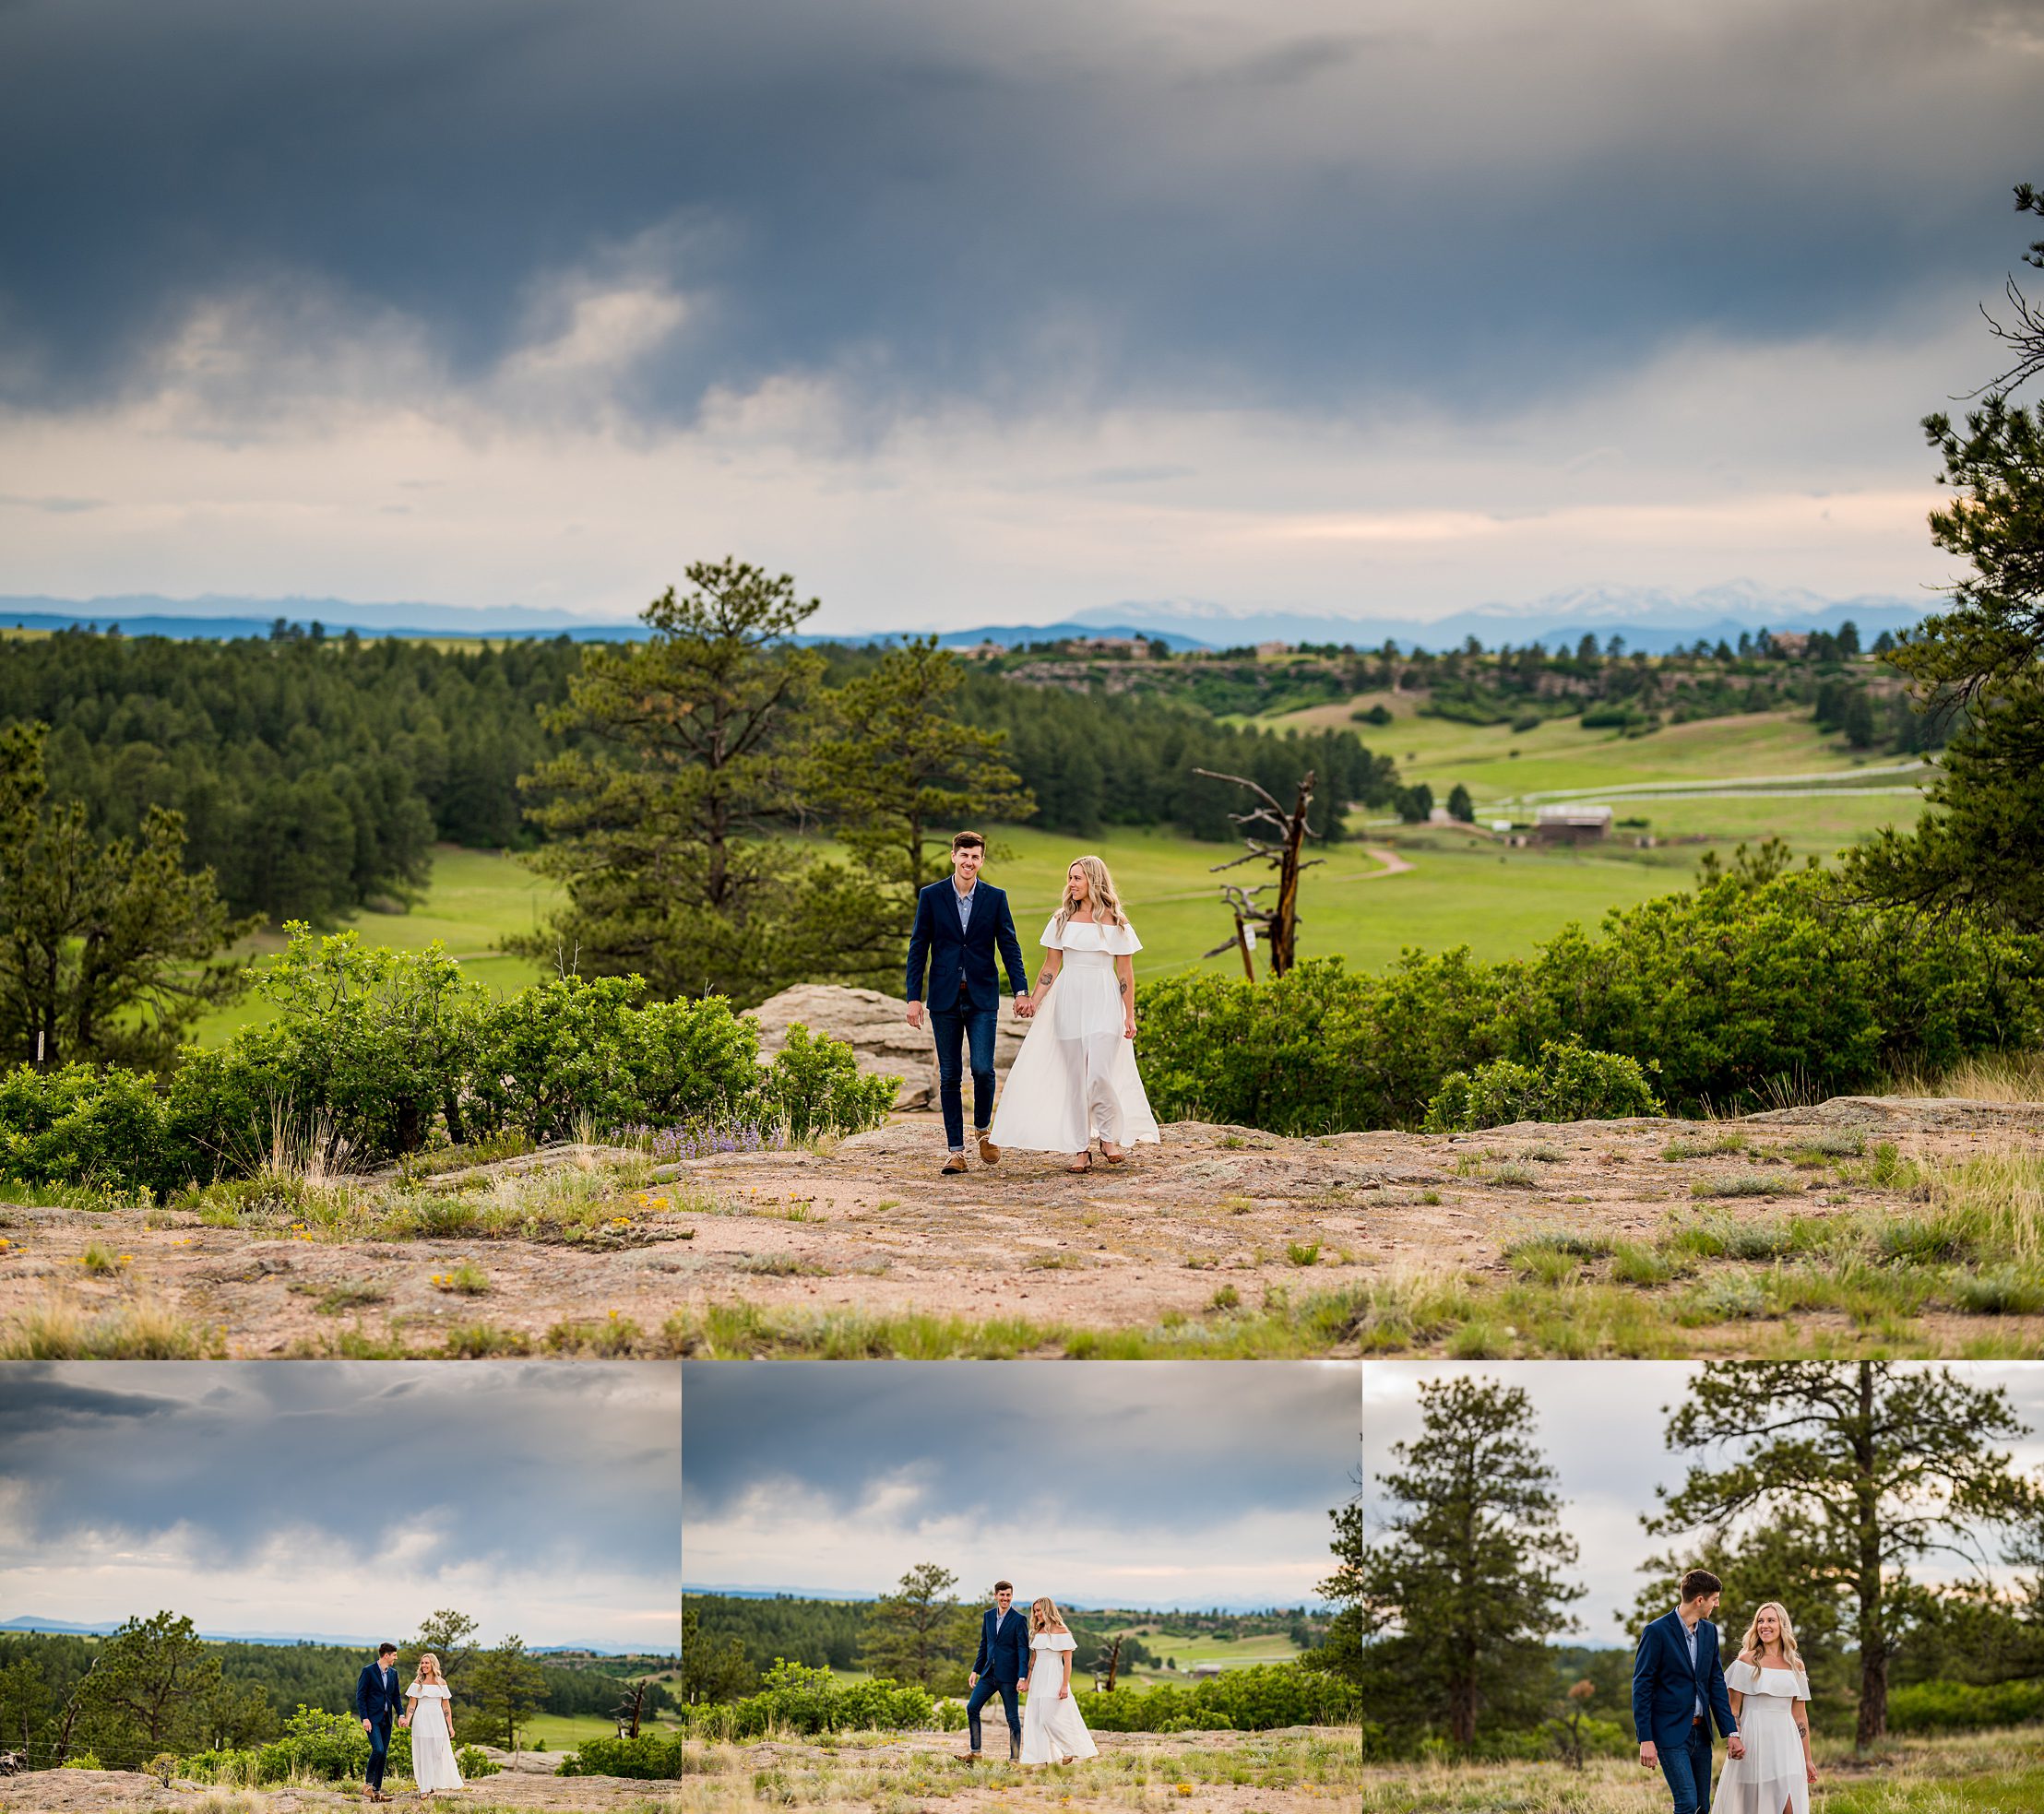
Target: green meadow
x,y
1460,888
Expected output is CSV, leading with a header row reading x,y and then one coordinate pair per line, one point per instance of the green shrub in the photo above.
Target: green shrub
x,y
1248,1700
78,1125
1569,1084
375,1053
815,1087
651,1757
1754,977
794,1696
1963,1706
472,1760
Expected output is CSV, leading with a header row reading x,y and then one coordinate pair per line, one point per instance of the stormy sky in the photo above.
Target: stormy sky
x,y
346,1499
970,312
1600,1424
1103,1483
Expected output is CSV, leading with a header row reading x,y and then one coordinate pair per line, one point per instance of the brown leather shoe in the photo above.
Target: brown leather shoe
x,y
954,1162
990,1154
970,1757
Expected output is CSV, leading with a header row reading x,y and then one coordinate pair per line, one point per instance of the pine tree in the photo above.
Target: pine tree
x,y
1466,1592
1882,1465
1982,661
891,760
104,950
669,827
913,1634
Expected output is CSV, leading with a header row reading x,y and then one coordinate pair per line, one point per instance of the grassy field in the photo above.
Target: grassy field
x,y
1458,890
1968,1774
563,1732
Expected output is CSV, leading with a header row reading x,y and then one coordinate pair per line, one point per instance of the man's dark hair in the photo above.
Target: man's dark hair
x,y
1009,1585
1700,1582
967,841
387,1650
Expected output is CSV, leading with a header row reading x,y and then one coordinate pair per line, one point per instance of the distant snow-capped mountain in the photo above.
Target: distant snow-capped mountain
x,y
1650,618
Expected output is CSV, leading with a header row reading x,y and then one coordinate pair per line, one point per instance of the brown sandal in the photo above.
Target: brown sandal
x,y
1082,1163
1114,1158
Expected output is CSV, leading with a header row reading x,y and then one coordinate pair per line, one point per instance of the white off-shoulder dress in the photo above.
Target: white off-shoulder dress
x,y
1053,1730
1772,1774
1074,1080
433,1764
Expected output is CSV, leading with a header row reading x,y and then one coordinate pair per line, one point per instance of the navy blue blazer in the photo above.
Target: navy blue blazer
x,y
1665,1689
1003,1652
936,943
373,1701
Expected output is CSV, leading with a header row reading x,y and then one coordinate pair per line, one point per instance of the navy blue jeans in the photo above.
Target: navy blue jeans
x,y
984,1691
958,1026
379,1752
1688,1771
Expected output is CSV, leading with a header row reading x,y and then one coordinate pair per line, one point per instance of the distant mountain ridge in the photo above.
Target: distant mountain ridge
x,y
840,1597
58,1627
1654,619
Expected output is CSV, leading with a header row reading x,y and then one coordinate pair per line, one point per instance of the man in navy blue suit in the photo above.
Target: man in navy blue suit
x,y
960,925
378,1701
1677,1689
1003,1666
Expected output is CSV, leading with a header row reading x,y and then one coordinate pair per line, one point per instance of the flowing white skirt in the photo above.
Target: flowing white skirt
x,y
1771,1776
433,1764
1053,1730
1074,1080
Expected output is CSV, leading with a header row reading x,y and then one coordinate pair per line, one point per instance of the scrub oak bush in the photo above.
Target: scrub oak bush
x,y
796,1698
1569,1084
374,1054
1754,977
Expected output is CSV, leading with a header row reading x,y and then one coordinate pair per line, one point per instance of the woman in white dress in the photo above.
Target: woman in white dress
x,y
1770,1699
1075,1078
1053,1730
431,1723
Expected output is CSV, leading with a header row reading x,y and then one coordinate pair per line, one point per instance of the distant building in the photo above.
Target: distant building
x,y
1134,648
984,651
1791,642
1571,824
1266,650
1206,1672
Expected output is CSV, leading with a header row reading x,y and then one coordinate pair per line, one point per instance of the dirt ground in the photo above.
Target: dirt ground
x,y
872,1227
1289,1769
527,1783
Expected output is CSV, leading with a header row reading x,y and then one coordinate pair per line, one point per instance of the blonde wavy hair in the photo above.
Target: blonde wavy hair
x,y
1749,1646
436,1676
1106,903
1044,1616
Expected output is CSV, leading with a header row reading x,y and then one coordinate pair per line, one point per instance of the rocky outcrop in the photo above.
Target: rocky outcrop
x,y
875,1027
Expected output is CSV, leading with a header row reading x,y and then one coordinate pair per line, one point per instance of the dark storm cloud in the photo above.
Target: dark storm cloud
x,y
564,1464
1183,1444
1128,201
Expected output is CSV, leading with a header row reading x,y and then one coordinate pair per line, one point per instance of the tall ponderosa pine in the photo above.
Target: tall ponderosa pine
x,y
506,1688
104,949
916,1633
1880,1464
1978,847
1466,1592
893,764
148,1691
1341,1654
671,830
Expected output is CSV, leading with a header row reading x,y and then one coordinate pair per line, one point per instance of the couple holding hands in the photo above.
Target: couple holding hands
x,y
1761,1702
379,1706
1074,1080
1014,1653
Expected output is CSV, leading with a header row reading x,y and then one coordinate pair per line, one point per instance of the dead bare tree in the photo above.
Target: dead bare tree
x,y
1276,838
630,1711
1112,1660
